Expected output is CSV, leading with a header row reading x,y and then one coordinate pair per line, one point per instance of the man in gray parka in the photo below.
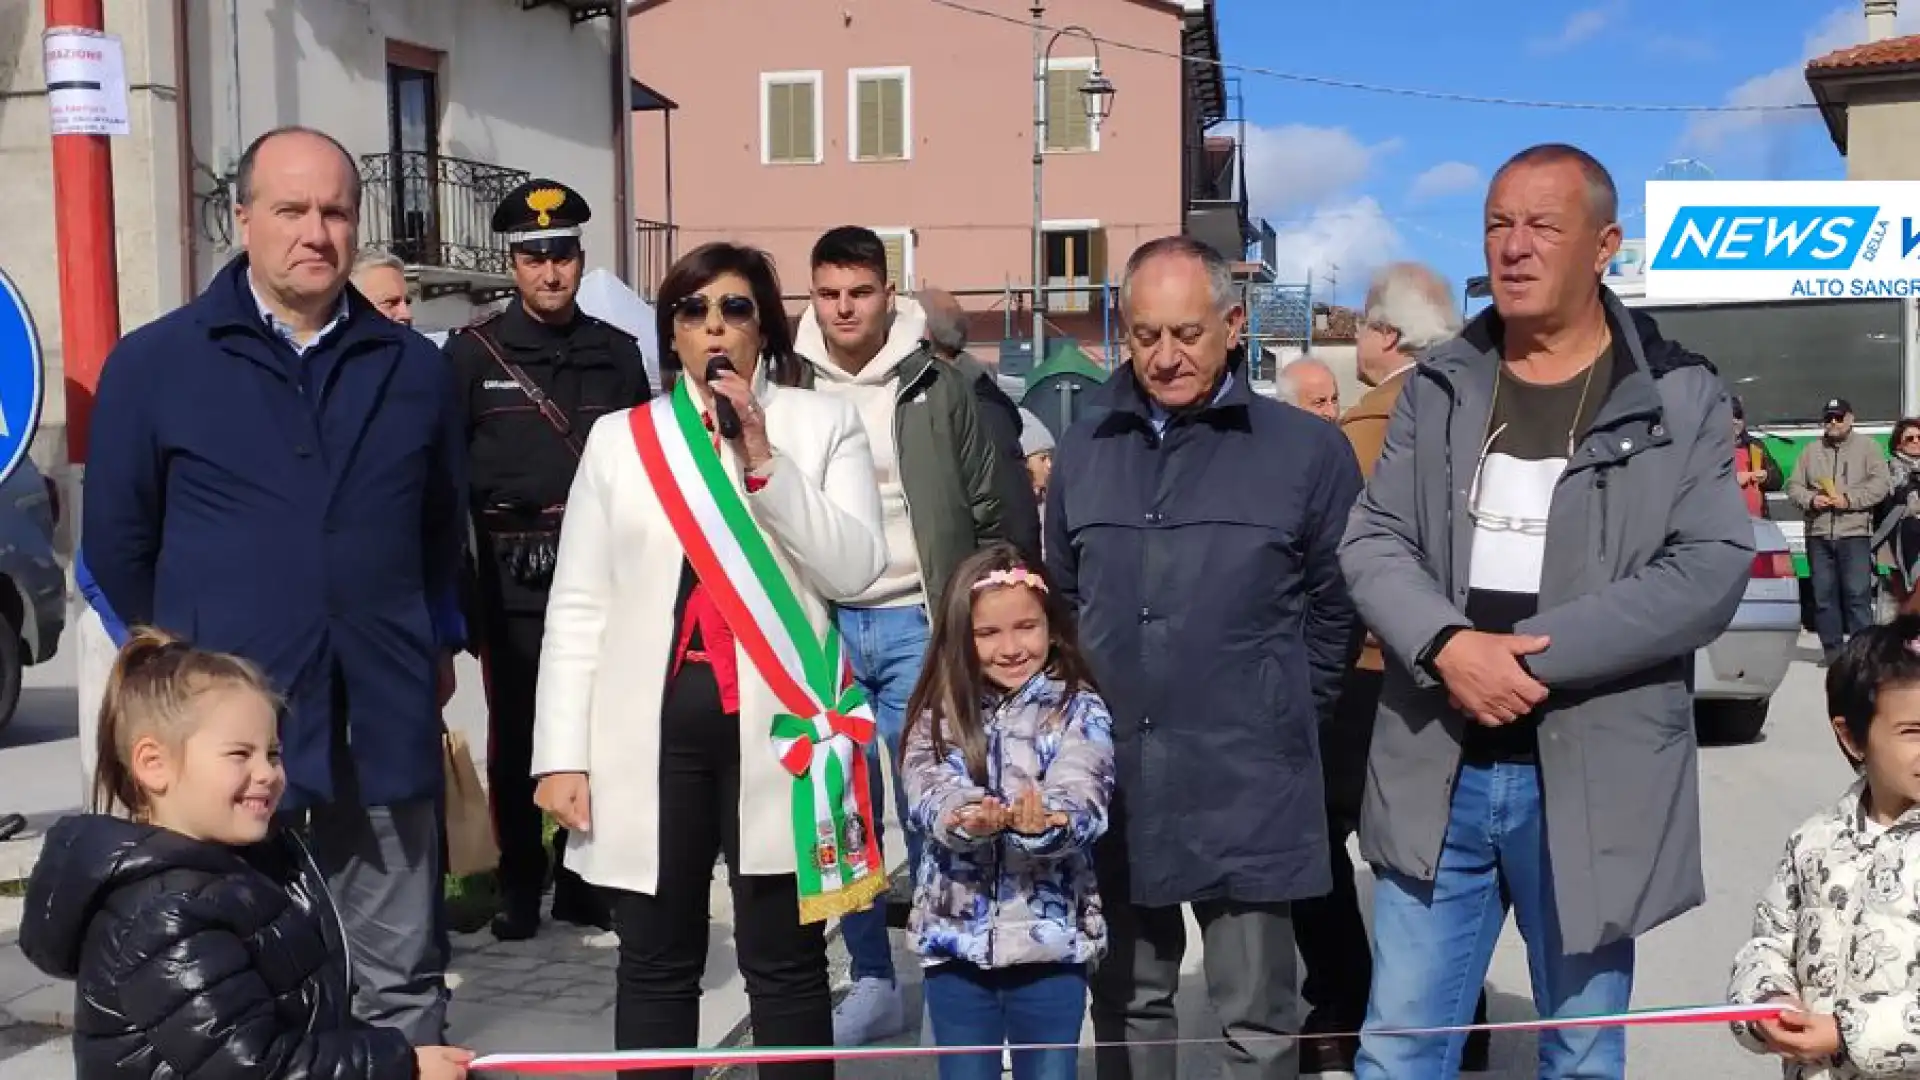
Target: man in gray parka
x,y
1552,529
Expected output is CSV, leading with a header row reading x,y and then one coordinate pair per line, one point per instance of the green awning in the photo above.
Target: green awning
x,y
1066,357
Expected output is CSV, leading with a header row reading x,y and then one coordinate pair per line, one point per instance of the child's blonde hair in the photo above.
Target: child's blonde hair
x,y
155,681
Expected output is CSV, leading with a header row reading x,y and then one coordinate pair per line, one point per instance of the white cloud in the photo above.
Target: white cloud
x,y
1303,179
1353,235
1678,47
1579,27
1768,133
1298,166
1446,178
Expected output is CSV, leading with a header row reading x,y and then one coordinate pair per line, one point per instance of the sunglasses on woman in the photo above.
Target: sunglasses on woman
x,y
737,310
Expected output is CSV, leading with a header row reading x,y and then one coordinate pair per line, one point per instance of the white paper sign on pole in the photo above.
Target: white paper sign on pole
x,y
86,82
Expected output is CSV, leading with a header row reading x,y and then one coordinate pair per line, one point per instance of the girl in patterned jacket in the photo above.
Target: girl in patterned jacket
x,y
1008,763
1836,934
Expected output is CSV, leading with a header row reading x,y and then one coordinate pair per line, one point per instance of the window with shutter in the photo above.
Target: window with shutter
x,y
899,245
878,103
1067,124
1076,265
789,113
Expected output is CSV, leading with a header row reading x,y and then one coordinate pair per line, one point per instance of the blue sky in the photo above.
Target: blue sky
x,y
1354,179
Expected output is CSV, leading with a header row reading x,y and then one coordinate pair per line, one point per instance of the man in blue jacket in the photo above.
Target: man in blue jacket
x,y
1195,524
277,471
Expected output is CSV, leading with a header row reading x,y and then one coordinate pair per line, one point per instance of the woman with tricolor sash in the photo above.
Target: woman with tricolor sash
x,y
693,701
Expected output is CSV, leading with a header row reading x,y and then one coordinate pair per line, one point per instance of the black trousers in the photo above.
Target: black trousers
x,y
663,937
512,662
1329,929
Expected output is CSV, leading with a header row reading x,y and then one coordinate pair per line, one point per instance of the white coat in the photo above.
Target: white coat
x,y
610,626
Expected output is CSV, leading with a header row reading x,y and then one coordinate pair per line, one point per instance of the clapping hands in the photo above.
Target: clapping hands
x,y
1027,816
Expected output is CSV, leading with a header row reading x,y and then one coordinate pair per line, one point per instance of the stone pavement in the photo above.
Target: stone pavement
x,y
557,992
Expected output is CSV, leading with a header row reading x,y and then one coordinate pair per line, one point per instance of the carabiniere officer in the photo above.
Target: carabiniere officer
x,y
535,377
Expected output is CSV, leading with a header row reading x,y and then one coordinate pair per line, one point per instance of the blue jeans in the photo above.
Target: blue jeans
x,y
1842,573
1030,1003
886,647
1432,942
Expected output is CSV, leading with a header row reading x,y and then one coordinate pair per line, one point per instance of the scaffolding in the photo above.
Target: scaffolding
x,y
1279,317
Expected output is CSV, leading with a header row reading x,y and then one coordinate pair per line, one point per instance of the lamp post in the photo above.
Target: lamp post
x,y
1097,94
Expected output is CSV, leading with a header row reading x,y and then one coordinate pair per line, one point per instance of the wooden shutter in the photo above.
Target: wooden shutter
x,y
893,118
1067,126
896,245
780,122
866,144
880,118
805,139
790,134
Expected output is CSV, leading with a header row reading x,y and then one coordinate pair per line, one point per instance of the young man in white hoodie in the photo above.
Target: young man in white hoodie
x,y
941,490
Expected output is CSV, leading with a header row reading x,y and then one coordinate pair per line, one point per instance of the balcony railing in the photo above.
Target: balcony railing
x,y
1213,170
1217,210
435,211
659,242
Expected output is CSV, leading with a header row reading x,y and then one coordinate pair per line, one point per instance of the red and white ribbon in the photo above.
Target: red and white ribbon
x,y
649,1060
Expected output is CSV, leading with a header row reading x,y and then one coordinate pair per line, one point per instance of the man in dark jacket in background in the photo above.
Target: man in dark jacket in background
x,y
532,380
277,471
1194,525
947,336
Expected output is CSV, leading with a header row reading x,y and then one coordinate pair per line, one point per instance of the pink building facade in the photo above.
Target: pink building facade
x,y
917,120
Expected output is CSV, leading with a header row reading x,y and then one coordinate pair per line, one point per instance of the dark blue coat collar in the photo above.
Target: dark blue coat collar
x,y
228,305
1126,395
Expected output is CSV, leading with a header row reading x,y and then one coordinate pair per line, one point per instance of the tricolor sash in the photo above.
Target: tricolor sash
x,y
824,726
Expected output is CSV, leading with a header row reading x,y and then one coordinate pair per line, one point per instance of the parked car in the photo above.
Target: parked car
x,y
1734,677
33,587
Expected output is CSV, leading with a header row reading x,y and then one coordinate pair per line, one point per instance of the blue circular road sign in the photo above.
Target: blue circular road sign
x,y
23,379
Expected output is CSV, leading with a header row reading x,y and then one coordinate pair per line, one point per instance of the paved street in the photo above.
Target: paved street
x,y
556,992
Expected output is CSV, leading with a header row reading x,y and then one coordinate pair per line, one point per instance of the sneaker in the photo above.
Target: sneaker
x,y
870,1012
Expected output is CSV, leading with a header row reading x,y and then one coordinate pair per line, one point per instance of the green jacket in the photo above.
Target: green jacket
x,y
949,468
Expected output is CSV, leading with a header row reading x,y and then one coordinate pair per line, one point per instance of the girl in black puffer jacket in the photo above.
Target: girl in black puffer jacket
x,y
200,945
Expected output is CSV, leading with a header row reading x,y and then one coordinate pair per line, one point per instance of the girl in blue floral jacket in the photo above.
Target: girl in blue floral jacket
x,y
1008,764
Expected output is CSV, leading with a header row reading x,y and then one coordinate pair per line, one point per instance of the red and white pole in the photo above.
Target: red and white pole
x,y
89,273
89,327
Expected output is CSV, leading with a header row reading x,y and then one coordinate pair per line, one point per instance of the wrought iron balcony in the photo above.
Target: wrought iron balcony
x,y
1217,212
578,11
435,213
659,246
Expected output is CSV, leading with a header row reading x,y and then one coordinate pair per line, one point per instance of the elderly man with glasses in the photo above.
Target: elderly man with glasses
x,y
1409,310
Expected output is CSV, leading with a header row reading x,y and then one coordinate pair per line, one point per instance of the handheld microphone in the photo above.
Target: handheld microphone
x,y
725,419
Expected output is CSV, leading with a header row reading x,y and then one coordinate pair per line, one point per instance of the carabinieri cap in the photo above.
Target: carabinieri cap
x,y
542,217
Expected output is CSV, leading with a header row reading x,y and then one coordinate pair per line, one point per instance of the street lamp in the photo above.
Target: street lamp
x,y
1097,95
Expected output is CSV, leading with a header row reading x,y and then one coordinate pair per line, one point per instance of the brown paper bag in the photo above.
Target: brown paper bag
x,y
471,847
